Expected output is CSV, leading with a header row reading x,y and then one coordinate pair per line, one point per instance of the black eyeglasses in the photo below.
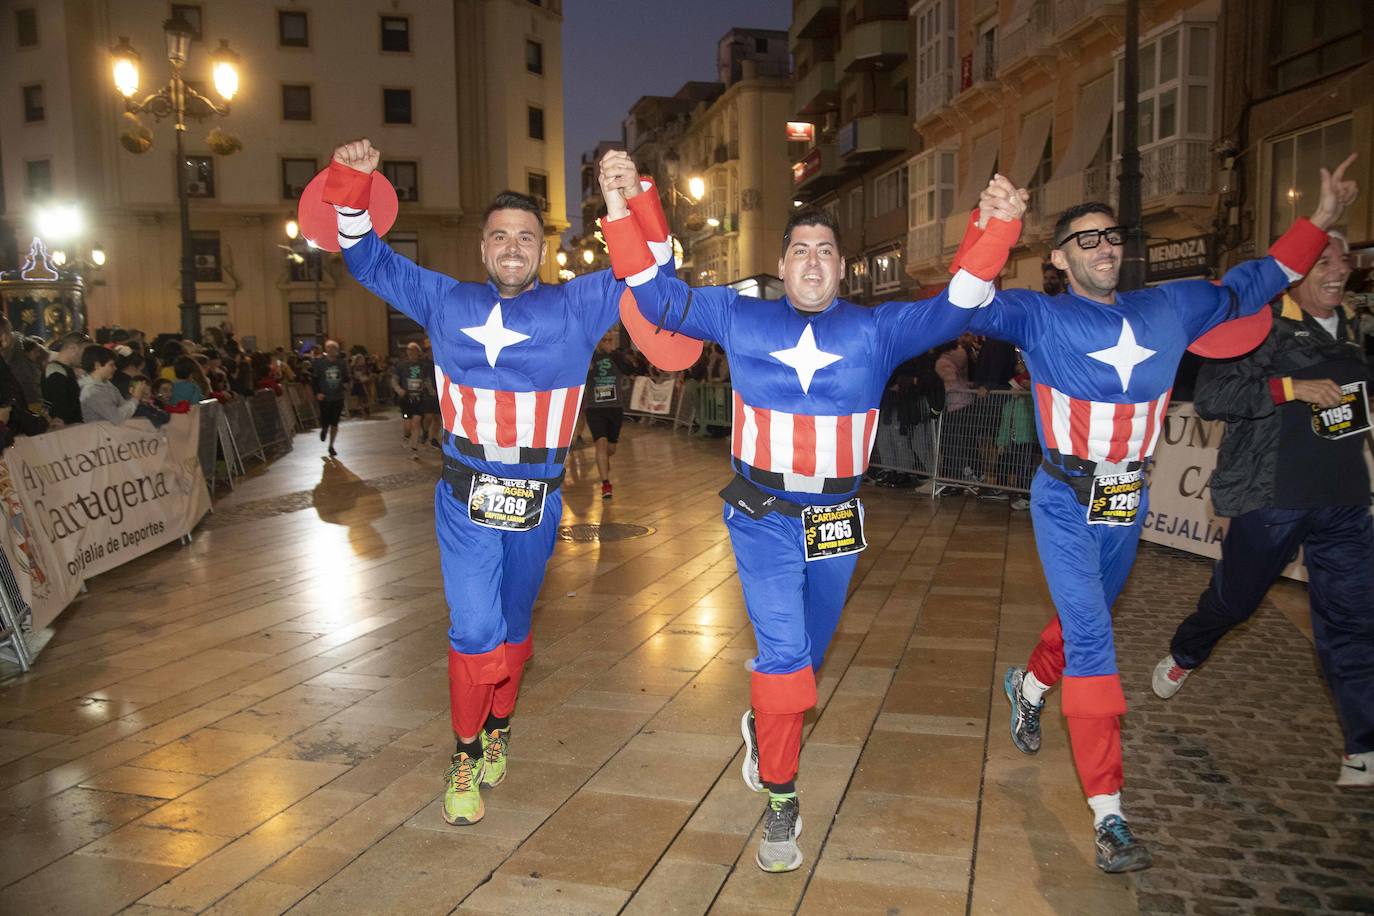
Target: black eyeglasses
x,y
1089,239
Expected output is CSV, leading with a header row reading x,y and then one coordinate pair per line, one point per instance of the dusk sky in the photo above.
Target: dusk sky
x,y
615,51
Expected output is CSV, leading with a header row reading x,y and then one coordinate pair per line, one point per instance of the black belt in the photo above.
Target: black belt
x,y
459,478
527,455
1082,485
832,485
756,503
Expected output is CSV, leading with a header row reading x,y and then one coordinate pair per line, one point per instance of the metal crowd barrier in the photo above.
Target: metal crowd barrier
x,y
987,442
303,403
714,406
12,614
243,433
267,421
645,415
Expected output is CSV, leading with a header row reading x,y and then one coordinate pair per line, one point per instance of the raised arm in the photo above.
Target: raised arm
x,y
400,281
702,312
911,328
1248,287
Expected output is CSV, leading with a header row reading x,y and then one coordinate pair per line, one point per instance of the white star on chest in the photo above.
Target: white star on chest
x,y
806,358
494,335
1125,356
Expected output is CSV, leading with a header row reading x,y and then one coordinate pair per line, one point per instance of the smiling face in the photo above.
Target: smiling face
x,y
1319,293
811,268
512,250
1093,273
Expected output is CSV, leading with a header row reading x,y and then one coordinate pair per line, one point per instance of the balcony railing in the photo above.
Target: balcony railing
x,y
935,93
814,87
925,243
952,232
1072,16
1032,37
1095,183
873,133
874,42
812,18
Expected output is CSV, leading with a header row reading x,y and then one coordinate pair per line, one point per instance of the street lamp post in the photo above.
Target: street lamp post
x,y
177,100
696,191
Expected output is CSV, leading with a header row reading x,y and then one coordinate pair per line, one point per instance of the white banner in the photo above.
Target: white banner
x,y
1181,513
82,500
653,396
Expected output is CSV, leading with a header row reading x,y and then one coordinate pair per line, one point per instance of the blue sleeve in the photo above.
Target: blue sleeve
x,y
1246,288
595,302
1014,316
702,312
909,329
400,281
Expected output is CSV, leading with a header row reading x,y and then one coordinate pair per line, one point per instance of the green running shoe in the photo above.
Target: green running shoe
x,y
778,849
462,800
494,756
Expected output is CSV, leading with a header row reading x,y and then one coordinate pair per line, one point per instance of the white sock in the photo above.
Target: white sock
x,y
1032,690
1104,806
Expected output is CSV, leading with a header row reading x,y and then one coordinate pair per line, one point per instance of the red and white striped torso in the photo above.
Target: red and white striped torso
x,y
508,426
1099,431
802,452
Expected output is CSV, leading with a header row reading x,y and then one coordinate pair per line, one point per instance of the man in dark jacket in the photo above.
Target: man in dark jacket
x,y
1291,473
61,391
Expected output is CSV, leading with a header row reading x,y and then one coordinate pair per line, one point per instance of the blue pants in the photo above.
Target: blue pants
x,y
1338,546
793,605
491,577
1085,567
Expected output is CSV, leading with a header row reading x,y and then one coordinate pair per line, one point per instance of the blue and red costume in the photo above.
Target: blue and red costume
x,y
806,391
510,374
1102,376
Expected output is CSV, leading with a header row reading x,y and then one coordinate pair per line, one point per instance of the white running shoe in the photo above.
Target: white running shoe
x,y
1357,770
1168,677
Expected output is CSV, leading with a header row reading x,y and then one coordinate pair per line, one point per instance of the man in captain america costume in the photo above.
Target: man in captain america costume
x,y
1102,363
808,373
511,360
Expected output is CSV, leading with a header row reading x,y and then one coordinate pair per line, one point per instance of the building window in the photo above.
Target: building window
x,y
38,178
536,115
406,244
295,103
405,178
1315,37
395,33
856,208
191,15
200,176
33,104
886,270
1175,87
396,106
534,57
295,175
985,52
936,55
309,320
205,254
537,183
293,29
1294,160
889,191
760,45
26,27
854,278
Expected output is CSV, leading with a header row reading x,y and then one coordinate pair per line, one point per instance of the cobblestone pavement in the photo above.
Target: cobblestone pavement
x,y
1231,781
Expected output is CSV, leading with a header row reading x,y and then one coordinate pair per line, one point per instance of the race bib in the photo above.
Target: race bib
x,y
412,384
603,393
1115,498
511,505
1348,418
833,531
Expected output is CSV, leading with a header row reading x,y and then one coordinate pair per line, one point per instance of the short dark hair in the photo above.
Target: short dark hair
x,y
809,216
1077,211
124,362
514,200
72,338
184,366
95,355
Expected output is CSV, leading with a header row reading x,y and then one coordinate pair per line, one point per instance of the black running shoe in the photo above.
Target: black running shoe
x,y
1025,716
1117,848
